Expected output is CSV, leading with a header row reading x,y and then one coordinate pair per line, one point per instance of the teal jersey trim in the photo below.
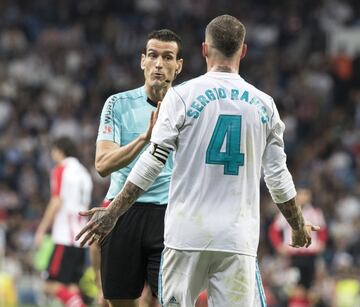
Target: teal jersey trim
x,y
260,287
124,117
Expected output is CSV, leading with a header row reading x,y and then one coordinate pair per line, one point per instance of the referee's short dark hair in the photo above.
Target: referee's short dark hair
x,y
66,146
165,35
226,34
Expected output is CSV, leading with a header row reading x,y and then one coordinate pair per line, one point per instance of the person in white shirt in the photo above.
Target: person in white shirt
x,y
71,188
222,130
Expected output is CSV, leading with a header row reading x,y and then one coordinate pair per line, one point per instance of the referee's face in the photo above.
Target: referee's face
x,y
160,64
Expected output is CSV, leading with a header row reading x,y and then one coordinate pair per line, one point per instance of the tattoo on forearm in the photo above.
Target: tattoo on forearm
x,y
292,212
126,198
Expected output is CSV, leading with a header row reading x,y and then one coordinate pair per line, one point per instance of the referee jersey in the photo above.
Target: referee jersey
x,y
124,117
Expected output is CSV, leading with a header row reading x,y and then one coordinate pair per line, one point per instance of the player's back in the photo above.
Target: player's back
x,y
75,188
214,192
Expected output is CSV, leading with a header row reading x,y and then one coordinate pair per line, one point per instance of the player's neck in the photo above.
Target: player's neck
x,y
229,65
223,68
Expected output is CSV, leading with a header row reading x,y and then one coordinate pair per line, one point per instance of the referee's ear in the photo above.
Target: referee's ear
x,y
142,62
179,66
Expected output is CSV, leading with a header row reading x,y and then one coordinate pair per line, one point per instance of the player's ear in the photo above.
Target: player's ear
x,y
243,51
179,67
142,62
205,50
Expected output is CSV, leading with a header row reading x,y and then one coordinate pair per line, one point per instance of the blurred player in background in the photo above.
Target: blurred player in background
x,y
71,189
302,258
223,130
131,254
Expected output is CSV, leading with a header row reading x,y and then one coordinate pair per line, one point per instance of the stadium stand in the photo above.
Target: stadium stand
x,y
59,60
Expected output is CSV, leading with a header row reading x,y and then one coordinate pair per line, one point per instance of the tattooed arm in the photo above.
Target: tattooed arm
x,y
292,213
124,200
103,220
280,183
139,180
301,232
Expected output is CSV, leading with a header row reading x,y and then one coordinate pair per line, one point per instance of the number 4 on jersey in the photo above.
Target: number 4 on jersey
x,y
228,126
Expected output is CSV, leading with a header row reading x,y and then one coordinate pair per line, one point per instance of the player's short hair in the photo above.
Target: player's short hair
x,y
227,34
165,35
66,146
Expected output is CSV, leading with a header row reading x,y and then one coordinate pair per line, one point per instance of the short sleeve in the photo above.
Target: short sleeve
x,y
107,125
56,180
170,121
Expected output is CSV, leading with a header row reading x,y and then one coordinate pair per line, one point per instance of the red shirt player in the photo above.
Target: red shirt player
x,y
71,188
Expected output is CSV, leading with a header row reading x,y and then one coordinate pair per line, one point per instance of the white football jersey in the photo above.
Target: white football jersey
x,y
72,183
222,130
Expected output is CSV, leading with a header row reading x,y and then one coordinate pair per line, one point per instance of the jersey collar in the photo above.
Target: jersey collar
x,y
151,102
223,75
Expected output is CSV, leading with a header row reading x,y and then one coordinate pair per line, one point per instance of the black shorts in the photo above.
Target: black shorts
x,y
131,253
66,264
306,266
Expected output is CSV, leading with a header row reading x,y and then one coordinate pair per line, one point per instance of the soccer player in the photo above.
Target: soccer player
x,y
132,252
71,188
222,131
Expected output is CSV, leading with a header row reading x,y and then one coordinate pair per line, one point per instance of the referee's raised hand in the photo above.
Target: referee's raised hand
x,y
98,227
153,118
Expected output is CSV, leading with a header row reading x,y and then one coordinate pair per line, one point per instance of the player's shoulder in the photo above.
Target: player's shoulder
x,y
189,83
184,88
56,172
57,168
126,96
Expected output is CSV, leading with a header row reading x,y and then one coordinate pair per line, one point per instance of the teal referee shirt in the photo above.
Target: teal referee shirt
x,y
124,117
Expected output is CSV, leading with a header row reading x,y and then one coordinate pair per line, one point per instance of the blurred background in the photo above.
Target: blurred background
x,y
61,59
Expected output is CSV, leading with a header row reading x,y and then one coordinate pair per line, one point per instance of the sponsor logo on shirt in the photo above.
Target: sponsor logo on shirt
x,y
109,110
107,129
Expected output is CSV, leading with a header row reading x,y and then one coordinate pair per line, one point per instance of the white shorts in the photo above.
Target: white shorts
x,y
230,279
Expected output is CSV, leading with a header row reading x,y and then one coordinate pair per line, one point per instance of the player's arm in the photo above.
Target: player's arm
x,y
142,175
282,190
48,218
110,156
301,231
280,183
292,213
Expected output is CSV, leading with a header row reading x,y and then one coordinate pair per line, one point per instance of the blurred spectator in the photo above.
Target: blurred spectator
x,y
60,60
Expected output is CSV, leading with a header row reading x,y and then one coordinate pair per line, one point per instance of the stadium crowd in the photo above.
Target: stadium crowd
x,y
60,60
